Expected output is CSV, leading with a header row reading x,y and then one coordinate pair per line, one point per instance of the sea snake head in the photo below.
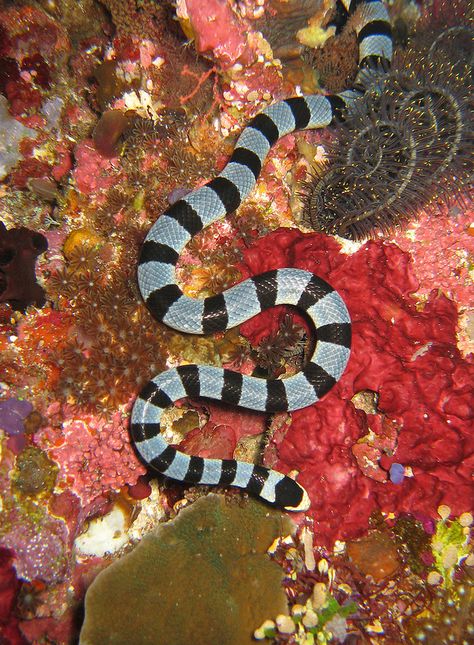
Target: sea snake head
x,y
291,496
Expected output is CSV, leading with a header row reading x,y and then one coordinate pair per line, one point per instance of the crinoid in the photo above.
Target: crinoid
x,y
407,144
455,43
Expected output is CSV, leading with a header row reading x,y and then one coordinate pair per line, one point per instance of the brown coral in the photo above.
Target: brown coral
x,y
203,578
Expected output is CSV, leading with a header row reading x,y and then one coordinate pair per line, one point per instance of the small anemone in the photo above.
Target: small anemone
x,y
284,347
116,302
62,283
116,200
141,128
119,349
73,351
185,166
154,135
219,271
293,336
83,257
136,178
86,281
271,353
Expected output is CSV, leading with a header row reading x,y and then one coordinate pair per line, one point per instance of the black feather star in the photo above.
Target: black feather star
x,y
407,144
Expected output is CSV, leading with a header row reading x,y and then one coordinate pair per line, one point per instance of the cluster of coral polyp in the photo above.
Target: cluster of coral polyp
x,y
109,112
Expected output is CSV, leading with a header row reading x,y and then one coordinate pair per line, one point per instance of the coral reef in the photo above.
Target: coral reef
x,y
374,555
335,598
34,472
113,110
204,577
39,544
450,617
416,346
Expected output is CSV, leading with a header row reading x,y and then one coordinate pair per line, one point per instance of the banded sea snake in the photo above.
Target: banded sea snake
x,y
166,301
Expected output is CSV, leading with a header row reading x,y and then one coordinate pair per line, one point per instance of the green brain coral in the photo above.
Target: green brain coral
x,y
202,579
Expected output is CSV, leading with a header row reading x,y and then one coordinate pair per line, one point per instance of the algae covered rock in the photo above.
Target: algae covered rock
x,y
204,578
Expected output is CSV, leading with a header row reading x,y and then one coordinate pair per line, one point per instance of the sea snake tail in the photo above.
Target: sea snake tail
x,y
157,280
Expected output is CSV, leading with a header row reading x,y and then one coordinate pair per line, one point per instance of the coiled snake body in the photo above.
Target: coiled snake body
x,y
157,280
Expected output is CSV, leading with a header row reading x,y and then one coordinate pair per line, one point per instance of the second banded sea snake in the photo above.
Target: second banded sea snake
x,y
157,280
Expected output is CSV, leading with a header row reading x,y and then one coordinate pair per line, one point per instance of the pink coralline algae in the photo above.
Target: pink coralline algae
x,y
34,44
19,248
93,172
405,354
94,456
218,30
446,262
39,546
31,30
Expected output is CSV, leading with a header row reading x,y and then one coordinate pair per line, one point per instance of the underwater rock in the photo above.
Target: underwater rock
x,y
375,555
219,437
203,578
104,535
12,132
19,248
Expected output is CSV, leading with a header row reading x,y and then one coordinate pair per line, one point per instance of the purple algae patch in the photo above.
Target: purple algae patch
x,y
397,473
13,412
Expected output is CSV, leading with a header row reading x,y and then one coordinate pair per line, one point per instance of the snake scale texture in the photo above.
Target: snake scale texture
x,y
302,289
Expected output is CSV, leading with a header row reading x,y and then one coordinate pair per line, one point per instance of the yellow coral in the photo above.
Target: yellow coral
x,y
314,35
84,237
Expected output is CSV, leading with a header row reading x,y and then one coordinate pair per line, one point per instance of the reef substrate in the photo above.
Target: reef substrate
x,y
109,112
